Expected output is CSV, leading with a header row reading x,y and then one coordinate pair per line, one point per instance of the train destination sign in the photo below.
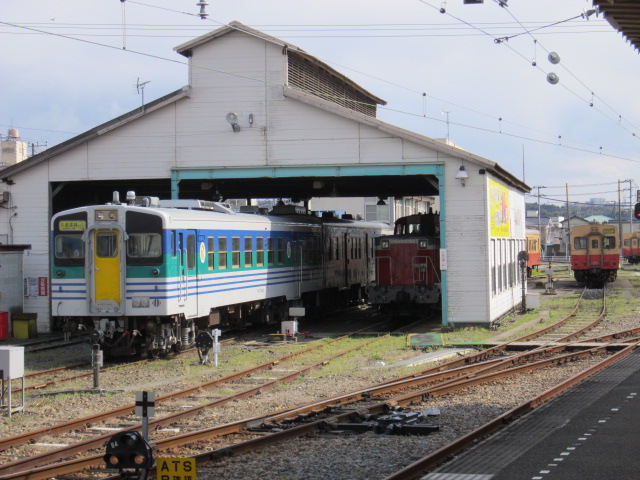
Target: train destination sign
x,y
72,225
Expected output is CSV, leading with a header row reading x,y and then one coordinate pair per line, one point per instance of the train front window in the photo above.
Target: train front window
x,y
144,245
609,243
69,247
106,244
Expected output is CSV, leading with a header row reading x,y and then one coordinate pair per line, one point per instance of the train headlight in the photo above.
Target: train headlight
x,y
59,273
106,215
155,272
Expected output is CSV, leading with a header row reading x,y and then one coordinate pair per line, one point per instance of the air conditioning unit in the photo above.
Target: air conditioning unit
x,y
4,197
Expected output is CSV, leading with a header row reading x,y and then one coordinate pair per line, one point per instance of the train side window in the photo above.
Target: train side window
x,y
191,252
173,243
580,243
222,253
270,251
106,244
260,252
211,253
248,251
280,251
235,252
609,242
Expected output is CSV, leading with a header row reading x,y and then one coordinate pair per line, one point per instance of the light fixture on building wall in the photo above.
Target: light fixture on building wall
x,y
381,201
232,118
462,175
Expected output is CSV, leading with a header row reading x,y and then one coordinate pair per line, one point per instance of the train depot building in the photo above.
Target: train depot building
x,y
261,118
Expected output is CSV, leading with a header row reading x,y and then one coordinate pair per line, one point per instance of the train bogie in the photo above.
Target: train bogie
x,y
595,254
149,277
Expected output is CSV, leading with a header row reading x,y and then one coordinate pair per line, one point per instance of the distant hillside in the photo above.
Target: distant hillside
x,y
580,210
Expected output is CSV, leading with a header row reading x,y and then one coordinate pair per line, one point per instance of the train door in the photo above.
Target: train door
x,y
190,274
107,265
595,251
345,265
182,270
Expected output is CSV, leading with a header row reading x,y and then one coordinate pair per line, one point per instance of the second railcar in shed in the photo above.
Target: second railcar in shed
x,y
148,274
595,255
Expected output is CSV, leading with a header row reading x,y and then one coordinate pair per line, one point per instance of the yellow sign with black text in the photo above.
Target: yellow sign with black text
x,y
176,468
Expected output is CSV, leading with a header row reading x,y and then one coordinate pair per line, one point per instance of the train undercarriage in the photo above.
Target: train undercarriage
x,y
595,278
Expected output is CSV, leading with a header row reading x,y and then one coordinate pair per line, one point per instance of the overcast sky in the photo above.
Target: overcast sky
x,y
64,70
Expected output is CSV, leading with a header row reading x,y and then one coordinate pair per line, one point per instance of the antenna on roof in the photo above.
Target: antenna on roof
x,y
140,89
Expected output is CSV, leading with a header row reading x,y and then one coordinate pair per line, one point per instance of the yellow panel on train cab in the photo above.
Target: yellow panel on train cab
x,y
107,265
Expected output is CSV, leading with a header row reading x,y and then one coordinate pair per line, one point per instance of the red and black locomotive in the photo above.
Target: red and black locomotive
x,y
408,265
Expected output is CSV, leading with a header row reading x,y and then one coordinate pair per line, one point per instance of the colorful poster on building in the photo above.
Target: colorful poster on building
x,y
499,211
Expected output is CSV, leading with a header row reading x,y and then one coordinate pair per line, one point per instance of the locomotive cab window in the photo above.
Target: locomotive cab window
x,y
580,243
609,243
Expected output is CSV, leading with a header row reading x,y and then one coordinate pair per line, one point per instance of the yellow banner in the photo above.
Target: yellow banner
x,y
72,225
499,210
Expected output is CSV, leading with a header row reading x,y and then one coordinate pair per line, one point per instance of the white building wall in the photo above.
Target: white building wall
x,y
30,226
11,297
466,244
504,275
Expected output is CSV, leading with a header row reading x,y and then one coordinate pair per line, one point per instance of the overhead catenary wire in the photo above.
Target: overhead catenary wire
x,y
262,80
499,41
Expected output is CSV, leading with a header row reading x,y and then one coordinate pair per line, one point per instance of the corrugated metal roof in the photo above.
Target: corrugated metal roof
x,y
624,16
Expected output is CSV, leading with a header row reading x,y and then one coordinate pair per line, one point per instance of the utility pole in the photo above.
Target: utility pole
x,y
34,145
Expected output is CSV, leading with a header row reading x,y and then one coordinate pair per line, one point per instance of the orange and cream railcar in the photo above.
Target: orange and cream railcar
x,y
595,255
631,247
533,249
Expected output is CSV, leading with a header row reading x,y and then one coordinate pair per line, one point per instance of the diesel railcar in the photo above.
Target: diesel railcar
x,y
533,250
595,255
147,275
408,265
631,247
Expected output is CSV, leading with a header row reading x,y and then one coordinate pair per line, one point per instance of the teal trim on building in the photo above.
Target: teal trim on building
x,y
437,170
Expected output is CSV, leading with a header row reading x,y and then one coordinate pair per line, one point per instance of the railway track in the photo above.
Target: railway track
x,y
455,376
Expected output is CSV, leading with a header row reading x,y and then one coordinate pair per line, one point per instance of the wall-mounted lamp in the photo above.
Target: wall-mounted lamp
x,y
381,201
232,119
462,175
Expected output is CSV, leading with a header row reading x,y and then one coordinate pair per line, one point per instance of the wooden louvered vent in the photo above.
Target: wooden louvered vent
x,y
313,79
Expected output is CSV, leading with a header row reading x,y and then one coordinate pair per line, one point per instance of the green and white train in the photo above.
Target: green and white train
x,y
148,275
